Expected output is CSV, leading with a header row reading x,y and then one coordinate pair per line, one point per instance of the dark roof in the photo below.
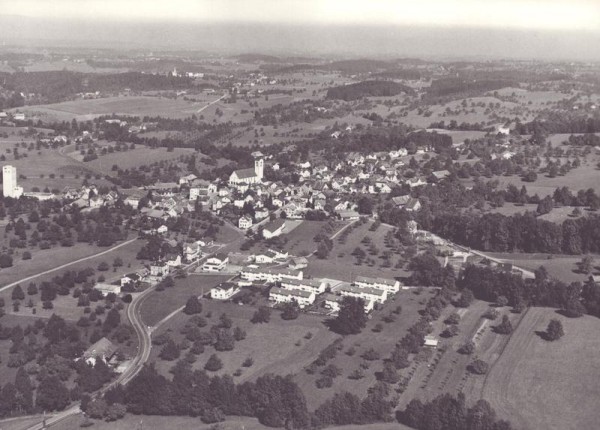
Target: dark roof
x,y
245,173
103,348
274,225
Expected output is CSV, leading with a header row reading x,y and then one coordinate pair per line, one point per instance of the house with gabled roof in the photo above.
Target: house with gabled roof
x,y
273,228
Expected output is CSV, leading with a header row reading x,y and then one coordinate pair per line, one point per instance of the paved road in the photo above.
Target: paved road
x,y
525,272
106,251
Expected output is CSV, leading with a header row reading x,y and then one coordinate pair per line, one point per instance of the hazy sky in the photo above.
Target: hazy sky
x,y
505,14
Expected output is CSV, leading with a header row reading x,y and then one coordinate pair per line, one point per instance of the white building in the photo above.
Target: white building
x,y
366,293
215,263
245,222
270,275
390,285
159,269
10,187
274,228
310,285
282,295
224,291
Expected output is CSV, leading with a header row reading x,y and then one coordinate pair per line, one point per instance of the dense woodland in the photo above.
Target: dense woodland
x,y
56,86
367,89
490,284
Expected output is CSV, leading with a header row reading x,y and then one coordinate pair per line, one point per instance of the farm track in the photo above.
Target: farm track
x,y
63,266
496,385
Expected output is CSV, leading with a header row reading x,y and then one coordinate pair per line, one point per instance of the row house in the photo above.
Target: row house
x,y
282,295
310,285
270,275
392,286
366,293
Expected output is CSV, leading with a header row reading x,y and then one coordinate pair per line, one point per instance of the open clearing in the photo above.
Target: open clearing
x,y
548,385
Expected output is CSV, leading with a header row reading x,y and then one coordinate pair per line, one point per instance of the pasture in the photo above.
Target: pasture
x,y
581,178
159,304
382,342
84,110
276,347
133,158
341,264
550,385
559,266
177,422
285,347
300,240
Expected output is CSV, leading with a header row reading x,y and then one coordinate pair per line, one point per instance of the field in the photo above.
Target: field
x,y
49,259
382,342
131,422
341,264
300,240
581,178
558,266
550,385
276,347
83,110
283,347
132,158
159,304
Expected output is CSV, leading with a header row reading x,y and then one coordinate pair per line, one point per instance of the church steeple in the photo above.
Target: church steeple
x,y
259,164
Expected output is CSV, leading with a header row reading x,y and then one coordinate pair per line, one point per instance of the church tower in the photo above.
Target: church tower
x,y
259,164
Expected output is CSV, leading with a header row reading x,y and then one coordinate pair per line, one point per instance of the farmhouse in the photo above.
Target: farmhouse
x,y
270,275
104,350
106,289
215,263
274,228
390,285
298,263
412,205
282,295
309,285
224,291
366,293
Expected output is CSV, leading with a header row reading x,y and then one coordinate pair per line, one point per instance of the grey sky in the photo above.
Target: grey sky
x,y
531,14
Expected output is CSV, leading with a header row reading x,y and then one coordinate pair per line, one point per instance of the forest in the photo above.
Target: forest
x,y
367,89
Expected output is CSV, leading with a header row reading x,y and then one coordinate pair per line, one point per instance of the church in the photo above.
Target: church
x,y
251,175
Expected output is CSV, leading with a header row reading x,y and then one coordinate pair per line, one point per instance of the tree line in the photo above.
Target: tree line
x,y
491,284
519,232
